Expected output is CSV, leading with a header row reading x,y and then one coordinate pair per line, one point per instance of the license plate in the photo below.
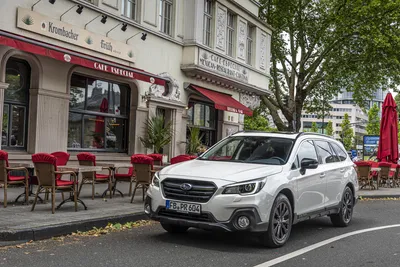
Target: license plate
x,y
183,207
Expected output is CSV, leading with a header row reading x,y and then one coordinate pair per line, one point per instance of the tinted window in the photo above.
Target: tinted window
x,y
325,153
251,149
340,153
307,151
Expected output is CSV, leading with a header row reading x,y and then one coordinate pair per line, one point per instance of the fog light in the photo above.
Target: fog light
x,y
243,222
147,208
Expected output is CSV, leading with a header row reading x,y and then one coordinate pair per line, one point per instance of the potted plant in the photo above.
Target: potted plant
x,y
194,142
158,135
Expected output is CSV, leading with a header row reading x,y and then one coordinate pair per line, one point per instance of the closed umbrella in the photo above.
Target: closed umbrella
x,y
388,150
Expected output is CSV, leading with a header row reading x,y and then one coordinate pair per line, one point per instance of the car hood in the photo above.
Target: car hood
x,y
219,170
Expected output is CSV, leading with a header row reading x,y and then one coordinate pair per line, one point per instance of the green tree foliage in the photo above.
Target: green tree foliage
x,y
347,132
397,100
314,127
322,47
329,129
373,124
257,122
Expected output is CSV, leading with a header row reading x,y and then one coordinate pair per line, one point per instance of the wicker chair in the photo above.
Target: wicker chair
x,y
364,174
157,159
124,177
143,166
88,159
6,179
384,173
46,171
180,158
62,160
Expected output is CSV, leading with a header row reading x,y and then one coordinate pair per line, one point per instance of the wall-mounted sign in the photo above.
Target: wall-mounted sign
x,y
223,66
37,23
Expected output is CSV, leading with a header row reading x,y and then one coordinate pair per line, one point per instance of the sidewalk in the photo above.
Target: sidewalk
x,y
18,223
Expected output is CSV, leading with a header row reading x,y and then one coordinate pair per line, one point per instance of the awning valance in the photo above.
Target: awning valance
x,y
223,101
66,55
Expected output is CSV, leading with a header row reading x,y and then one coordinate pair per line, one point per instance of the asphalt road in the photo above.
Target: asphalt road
x,y
151,246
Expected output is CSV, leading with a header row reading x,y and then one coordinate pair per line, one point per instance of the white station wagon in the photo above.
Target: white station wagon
x,y
257,182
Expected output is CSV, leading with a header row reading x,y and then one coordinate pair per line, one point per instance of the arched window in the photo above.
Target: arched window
x,y
16,104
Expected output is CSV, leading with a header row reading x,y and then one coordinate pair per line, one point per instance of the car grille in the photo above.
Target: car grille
x,y
204,217
201,191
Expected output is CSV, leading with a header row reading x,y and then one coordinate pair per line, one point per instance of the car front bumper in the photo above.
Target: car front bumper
x,y
206,220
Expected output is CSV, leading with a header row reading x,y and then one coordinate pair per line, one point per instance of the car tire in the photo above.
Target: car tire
x,y
280,223
343,218
174,229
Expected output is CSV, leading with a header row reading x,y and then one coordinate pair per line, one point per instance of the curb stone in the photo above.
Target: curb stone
x,y
379,196
46,232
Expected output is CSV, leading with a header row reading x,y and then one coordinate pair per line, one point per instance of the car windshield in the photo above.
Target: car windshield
x,y
251,149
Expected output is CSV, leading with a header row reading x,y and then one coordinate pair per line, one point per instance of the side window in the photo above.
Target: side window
x,y
325,153
307,150
340,153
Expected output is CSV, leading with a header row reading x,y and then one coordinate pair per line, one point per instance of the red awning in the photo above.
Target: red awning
x,y
66,55
224,101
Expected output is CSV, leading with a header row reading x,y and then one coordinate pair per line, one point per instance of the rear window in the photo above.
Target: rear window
x,y
340,153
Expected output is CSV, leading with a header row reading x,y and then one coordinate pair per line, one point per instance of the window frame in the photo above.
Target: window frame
x,y
230,34
207,20
332,151
297,159
163,17
13,103
135,4
85,113
249,44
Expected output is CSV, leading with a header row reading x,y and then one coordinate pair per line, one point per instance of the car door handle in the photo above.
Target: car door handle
x,y
342,170
322,175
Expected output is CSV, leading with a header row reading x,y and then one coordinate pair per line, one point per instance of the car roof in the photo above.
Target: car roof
x,y
288,135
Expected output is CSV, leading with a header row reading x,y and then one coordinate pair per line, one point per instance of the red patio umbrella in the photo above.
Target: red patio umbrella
x,y
388,150
100,123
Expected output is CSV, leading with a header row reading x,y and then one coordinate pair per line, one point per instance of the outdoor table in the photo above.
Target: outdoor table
x,y
113,167
117,165
77,169
31,169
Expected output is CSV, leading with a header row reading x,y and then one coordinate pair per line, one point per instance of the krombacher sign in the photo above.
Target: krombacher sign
x,y
37,23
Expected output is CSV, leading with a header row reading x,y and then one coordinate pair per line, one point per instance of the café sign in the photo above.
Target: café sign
x,y
37,23
223,66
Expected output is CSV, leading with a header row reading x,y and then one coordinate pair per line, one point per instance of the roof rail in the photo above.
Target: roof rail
x,y
257,131
311,133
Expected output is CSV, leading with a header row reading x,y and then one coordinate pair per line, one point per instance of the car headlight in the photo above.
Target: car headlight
x,y
156,180
246,188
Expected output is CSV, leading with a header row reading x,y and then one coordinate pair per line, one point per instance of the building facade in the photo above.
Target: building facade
x,y
341,104
80,75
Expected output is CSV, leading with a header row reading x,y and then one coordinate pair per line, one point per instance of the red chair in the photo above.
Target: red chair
x,y
157,158
180,158
124,177
46,170
143,166
7,179
88,159
364,173
384,173
62,160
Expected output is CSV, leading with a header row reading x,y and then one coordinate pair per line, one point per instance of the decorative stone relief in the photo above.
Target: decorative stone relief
x,y
242,40
172,92
250,101
221,28
263,50
231,130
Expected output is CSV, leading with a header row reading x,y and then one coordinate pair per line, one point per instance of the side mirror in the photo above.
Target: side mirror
x,y
307,163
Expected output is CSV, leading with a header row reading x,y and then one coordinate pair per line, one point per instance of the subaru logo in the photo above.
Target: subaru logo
x,y
186,187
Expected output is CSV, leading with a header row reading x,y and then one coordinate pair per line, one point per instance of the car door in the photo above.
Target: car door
x,y
336,185
311,184
331,166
